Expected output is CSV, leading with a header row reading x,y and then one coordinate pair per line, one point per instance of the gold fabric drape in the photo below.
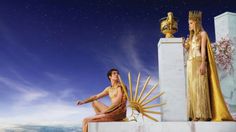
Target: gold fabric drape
x,y
219,109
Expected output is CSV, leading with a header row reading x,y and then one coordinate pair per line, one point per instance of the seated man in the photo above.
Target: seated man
x,y
117,110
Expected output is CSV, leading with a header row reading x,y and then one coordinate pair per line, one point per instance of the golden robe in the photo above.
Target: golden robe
x,y
205,100
114,112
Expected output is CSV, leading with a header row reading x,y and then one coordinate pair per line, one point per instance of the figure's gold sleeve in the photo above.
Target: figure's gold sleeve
x,y
219,109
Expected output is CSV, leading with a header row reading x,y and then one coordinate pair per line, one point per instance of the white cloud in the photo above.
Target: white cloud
x,y
67,92
55,77
133,57
52,110
33,105
30,96
129,60
50,113
25,92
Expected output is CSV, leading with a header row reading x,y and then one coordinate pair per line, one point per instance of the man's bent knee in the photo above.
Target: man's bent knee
x,y
85,120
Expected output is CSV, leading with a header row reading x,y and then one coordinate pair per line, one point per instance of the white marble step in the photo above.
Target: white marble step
x,y
163,127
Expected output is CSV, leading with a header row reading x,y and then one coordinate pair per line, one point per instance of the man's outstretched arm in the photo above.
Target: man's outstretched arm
x,y
92,98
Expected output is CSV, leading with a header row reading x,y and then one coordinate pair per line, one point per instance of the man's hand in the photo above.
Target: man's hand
x,y
79,102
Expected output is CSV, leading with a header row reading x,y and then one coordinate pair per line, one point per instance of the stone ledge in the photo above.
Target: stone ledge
x,y
223,14
170,41
163,127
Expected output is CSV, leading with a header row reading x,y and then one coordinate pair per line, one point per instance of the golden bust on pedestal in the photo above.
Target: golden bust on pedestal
x,y
169,25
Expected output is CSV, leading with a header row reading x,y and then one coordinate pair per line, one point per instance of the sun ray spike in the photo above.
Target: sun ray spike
x,y
152,112
150,100
130,87
153,88
123,87
153,106
150,117
137,85
144,87
136,100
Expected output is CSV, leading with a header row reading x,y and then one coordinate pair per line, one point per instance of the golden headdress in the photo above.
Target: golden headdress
x,y
195,15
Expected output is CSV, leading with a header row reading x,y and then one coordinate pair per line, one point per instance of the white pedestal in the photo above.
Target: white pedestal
x,y
225,27
172,79
162,127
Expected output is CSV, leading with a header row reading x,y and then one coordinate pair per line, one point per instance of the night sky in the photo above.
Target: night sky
x,y
54,52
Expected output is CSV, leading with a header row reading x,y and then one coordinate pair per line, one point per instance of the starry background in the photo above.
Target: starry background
x,y
54,52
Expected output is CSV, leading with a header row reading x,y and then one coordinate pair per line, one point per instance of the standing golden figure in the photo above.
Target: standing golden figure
x,y
117,110
205,100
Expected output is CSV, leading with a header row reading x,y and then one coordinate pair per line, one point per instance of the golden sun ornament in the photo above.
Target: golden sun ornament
x,y
139,102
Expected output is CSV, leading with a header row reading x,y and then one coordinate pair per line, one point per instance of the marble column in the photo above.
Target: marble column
x,y
225,27
172,79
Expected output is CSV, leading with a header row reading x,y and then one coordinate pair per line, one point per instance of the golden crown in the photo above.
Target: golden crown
x,y
195,15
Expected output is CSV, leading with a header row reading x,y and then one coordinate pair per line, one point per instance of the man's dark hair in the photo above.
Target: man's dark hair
x,y
110,71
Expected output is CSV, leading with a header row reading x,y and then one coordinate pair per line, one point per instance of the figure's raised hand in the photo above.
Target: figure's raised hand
x,y
202,69
79,102
186,43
